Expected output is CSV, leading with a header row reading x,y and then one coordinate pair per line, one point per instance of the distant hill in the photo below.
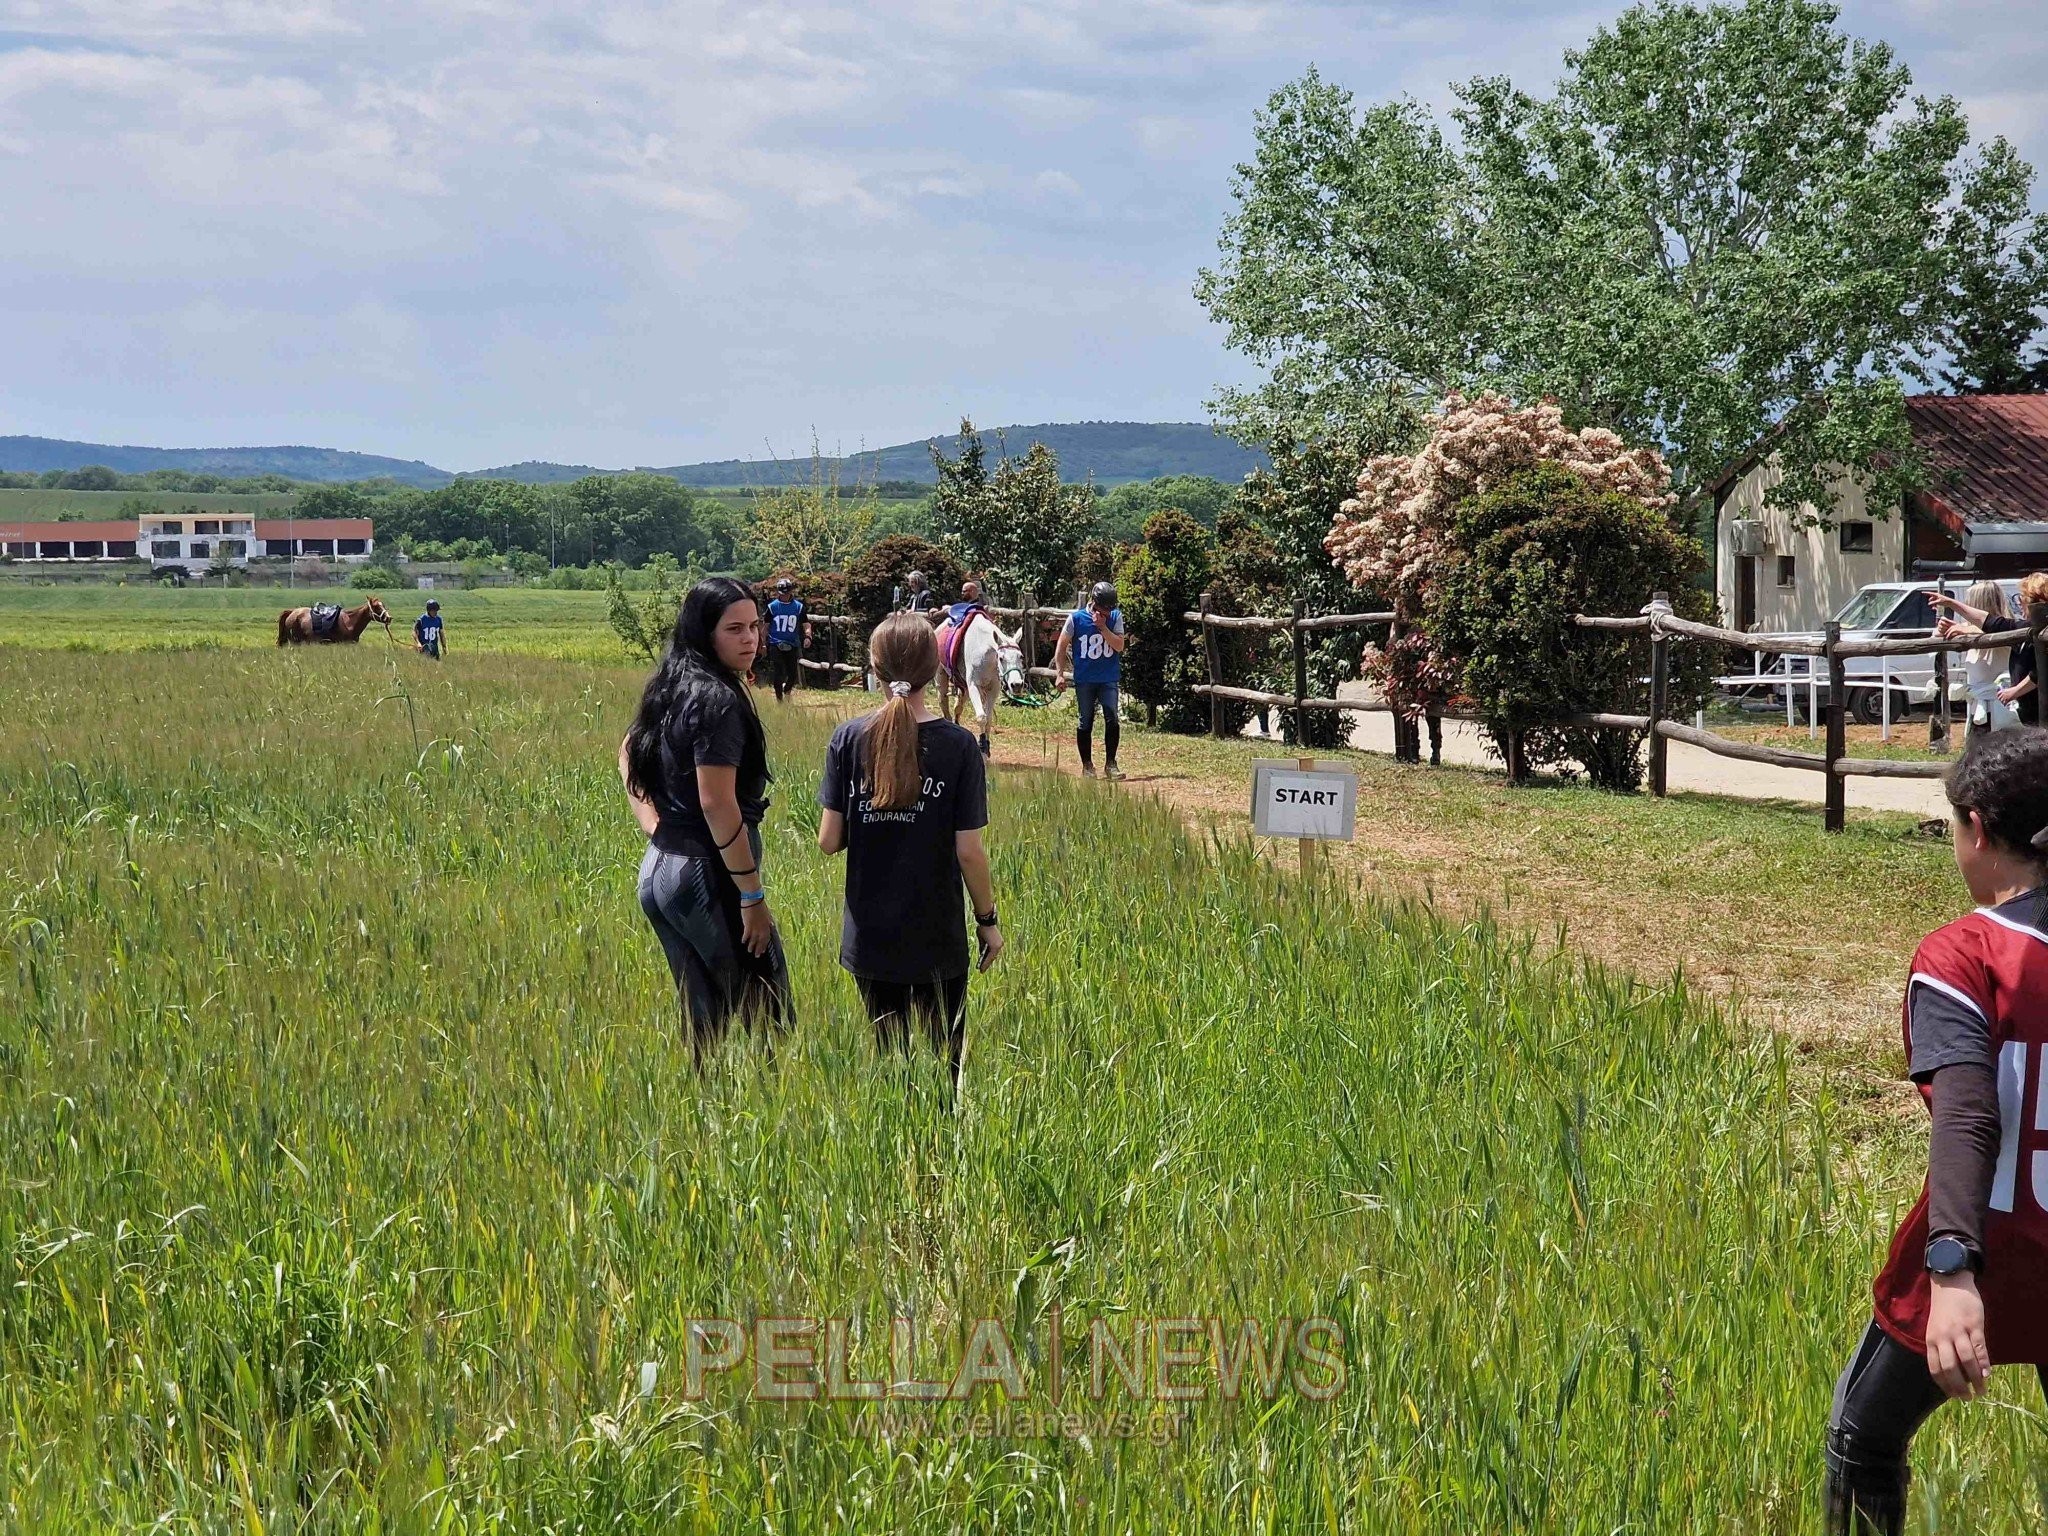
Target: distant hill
x,y
1111,451
36,454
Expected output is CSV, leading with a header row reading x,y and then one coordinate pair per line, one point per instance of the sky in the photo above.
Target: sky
x,y
619,234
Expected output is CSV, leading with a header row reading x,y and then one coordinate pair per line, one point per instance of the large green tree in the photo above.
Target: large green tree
x,y
1725,218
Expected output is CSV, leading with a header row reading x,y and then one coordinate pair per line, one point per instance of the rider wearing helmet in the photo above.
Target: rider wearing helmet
x,y
789,629
1093,639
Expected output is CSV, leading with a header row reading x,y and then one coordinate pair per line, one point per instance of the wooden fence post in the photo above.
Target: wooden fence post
x,y
1837,738
1660,691
1028,634
1937,722
1301,674
1215,678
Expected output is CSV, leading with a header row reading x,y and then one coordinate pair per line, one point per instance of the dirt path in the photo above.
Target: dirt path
x,y
1691,768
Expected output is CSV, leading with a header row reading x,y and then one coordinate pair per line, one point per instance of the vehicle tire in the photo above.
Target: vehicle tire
x,y
1867,706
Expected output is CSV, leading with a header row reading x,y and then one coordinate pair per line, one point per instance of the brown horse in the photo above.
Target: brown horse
x,y
295,625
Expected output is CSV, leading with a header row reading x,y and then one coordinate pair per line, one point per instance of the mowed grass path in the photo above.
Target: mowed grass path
x,y
144,617
355,1172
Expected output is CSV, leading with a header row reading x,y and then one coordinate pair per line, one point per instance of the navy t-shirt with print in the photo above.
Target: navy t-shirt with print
x,y
906,906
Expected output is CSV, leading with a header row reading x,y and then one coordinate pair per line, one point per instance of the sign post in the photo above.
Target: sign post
x,y
1293,797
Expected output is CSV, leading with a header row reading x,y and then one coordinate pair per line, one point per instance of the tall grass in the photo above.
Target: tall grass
x,y
356,1172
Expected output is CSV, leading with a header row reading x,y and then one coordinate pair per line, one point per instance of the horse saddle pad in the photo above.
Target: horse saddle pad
x,y
951,644
325,617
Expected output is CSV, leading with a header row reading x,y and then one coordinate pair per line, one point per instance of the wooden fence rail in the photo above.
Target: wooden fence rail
x,y
1658,623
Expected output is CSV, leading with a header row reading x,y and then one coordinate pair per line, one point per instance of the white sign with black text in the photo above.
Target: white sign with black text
x,y
1314,804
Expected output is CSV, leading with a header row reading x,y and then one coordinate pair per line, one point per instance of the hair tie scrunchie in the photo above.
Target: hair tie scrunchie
x,y
900,690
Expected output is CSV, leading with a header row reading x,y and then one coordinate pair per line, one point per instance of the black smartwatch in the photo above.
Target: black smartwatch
x,y
1949,1256
985,919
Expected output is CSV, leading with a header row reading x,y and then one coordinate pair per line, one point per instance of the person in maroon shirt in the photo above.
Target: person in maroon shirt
x,y
1965,1286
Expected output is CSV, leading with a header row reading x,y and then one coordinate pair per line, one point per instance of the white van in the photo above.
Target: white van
x,y
1889,610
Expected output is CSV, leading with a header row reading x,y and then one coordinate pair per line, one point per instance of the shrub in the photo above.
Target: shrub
x,y
1519,562
873,575
1163,579
371,578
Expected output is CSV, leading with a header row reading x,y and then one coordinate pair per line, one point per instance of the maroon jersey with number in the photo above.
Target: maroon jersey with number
x,y
1979,992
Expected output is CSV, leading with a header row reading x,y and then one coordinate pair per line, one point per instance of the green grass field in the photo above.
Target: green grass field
x,y
45,506
356,1174
146,617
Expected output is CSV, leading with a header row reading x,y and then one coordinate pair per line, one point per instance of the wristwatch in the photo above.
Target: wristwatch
x,y
1949,1256
985,919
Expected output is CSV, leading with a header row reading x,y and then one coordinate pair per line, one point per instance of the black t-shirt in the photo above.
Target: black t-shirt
x,y
709,725
2020,668
906,908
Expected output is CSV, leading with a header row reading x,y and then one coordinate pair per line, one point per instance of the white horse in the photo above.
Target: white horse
x,y
992,664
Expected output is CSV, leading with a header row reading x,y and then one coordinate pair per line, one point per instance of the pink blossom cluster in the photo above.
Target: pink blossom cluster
x,y
1390,536
1393,535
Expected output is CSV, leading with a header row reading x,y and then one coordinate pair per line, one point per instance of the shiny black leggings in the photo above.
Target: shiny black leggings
x,y
1883,1397
694,909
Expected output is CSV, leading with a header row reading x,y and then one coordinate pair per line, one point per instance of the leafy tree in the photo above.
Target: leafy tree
x,y
815,524
644,626
93,477
1524,557
1161,579
1727,217
1020,526
1121,513
332,501
1999,293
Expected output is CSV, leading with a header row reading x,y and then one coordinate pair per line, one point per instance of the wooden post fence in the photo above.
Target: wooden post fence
x,y
1301,674
1836,748
1660,693
1209,648
1937,722
1029,633
2037,615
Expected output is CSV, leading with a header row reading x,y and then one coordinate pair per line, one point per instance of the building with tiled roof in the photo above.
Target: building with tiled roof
x,y
1982,512
192,541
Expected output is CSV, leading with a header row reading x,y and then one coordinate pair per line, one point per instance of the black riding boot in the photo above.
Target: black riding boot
x,y
1863,1500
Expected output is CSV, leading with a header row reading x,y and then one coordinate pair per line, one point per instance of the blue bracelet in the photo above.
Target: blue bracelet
x,y
753,898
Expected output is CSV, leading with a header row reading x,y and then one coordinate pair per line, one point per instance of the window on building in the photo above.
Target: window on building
x,y
316,546
1788,570
56,549
1858,538
120,549
201,550
88,549
277,548
207,525
234,549
349,546
174,526
165,549
21,551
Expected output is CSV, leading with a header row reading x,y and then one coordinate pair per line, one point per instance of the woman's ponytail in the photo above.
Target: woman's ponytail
x,y
905,655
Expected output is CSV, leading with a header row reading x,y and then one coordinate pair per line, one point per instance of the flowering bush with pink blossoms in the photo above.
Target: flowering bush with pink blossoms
x,y
1393,537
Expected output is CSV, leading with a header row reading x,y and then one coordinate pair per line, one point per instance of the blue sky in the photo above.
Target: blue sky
x,y
619,233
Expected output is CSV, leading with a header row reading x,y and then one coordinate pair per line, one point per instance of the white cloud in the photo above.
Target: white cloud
x,y
628,231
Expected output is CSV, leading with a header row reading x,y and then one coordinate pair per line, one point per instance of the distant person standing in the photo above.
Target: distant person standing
x,y
789,630
918,596
426,630
1093,639
2020,691
695,768
905,796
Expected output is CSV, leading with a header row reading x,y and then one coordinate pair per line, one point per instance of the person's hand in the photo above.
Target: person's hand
x,y
2007,695
1944,629
1956,1352
1940,599
991,939
1059,682
756,928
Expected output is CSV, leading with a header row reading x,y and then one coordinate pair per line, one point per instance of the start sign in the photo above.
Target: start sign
x,y
1311,803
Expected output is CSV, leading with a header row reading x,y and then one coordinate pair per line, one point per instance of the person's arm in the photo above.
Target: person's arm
x,y
831,832
1962,1155
1943,600
1115,639
1060,650
718,799
643,808
2018,690
969,849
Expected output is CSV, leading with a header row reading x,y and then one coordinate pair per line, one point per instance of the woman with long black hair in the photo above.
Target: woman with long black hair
x,y
695,768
